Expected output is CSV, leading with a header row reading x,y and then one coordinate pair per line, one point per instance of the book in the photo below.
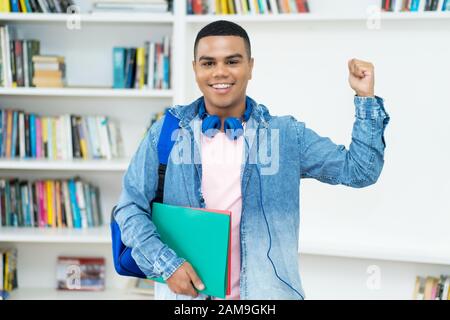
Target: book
x,y
67,204
8,266
32,135
27,136
22,134
202,237
5,6
88,203
119,68
50,207
81,202
14,135
130,67
102,123
74,205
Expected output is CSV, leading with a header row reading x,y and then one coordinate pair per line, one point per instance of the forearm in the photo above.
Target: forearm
x,y
365,158
138,232
358,166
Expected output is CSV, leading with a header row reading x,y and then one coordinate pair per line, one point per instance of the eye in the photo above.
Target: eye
x,y
233,61
207,64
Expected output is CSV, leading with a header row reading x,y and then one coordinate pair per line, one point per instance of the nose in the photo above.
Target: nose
x,y
220,71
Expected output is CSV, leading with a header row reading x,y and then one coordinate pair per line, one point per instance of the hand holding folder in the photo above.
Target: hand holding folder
x,y
203,238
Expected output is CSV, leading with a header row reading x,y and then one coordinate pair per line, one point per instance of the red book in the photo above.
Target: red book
x,y
387,5
42,204
197,6
301,6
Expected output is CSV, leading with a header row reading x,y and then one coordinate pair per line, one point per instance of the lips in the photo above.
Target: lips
x,y
221,88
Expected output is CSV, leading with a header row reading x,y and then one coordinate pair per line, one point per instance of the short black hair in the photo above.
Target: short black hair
x,y
223,28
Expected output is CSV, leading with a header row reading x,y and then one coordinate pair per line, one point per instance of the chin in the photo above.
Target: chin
x,y
221,102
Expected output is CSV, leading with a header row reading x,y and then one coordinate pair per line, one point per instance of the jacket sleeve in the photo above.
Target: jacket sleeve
x,y
133,211
361,164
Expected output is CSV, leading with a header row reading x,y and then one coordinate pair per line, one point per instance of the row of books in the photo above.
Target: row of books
x,y
70,203
432,288
143,67
8,271
66,137
148,6
36,6
246,6
16,59
415,5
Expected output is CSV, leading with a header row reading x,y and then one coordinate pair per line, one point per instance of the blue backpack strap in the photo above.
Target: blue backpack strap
x,y
165,146
123,261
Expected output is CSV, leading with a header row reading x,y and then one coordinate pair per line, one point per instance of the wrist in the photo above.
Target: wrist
x,y
365,94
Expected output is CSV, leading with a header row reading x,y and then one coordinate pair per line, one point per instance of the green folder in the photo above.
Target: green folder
x,y
202,237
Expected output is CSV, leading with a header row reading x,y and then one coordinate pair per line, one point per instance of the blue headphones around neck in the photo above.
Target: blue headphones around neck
x,y
232,126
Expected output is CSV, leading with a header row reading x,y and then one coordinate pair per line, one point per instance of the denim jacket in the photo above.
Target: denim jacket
x,y
269,229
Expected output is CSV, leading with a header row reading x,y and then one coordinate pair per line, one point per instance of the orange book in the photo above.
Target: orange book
x,y
287,6
48,74
47,83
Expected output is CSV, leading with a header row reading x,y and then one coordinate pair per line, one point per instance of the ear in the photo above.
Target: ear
x,y
252,61
193,65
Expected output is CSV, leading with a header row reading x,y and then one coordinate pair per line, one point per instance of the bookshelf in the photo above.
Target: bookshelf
x,y
116,165
319,17
89,17
95,235
86,92
135,107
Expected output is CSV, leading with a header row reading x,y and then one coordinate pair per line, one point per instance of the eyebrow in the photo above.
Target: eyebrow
x,y
236,55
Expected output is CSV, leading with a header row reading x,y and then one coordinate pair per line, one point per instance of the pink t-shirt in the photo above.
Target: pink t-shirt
x,y
221,188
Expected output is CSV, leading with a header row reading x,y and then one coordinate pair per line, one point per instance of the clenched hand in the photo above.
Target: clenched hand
x,y
361,77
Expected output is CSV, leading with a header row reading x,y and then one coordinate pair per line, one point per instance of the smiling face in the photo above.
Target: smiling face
x,y
222,70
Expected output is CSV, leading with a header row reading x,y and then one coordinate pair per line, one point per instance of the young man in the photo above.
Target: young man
x,y
263,199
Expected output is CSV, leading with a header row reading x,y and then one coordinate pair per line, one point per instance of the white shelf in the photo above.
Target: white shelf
x,y
97,235
54,294
86,92
315,17
367,244
89,17
376,253
65,165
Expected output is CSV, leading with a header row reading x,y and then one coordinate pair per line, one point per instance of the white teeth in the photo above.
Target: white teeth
x,y
221,85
